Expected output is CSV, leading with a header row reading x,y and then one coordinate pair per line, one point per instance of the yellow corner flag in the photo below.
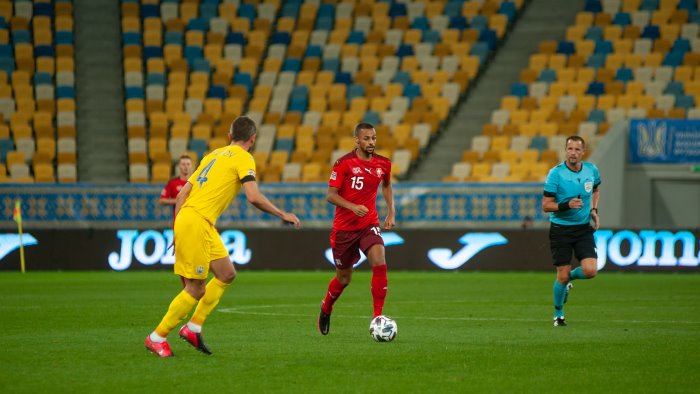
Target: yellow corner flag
x,y
17,217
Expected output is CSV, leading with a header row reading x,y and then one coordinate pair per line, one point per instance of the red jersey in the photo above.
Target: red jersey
x,y
172,188
357,181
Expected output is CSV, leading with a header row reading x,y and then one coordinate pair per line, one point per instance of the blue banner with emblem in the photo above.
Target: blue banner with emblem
x,y
664,141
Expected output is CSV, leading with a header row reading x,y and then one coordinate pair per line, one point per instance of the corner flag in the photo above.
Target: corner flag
x,y
17,217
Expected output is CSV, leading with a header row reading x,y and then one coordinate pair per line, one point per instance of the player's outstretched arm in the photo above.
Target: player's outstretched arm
x,y
388,193
257,199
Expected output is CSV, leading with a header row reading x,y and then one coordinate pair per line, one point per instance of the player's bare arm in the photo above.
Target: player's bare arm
x,y
595,197
549,205
257,199
334,198
167,201
388,193
182,196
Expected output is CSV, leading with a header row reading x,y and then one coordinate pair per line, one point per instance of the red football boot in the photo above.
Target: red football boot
x,y
194,338
162,349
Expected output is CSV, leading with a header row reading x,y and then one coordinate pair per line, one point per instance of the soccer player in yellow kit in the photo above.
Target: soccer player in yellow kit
x,y
198,246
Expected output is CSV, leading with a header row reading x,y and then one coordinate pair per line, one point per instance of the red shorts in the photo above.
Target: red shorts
x,y
346,245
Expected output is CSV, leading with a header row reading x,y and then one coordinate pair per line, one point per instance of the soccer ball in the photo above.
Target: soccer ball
x,y
383,329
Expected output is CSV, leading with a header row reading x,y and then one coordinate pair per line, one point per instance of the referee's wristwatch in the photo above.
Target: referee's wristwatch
x,y
594,209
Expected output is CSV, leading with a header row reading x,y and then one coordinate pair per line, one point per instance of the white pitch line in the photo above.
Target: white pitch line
x,y
246,310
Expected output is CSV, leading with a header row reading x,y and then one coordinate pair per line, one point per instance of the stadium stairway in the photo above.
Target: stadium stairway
x,y
101,132
540,20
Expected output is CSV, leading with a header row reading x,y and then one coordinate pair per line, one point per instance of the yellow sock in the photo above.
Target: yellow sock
x,y
178,310
215,289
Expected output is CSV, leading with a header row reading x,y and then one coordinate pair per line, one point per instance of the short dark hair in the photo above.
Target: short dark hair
x,y
576,138
362,126
242,128
185,156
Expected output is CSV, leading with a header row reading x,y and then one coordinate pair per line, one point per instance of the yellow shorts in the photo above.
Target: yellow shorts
x,y
197,243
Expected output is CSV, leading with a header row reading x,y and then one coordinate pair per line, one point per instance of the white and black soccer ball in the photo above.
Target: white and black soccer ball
x,y
383,329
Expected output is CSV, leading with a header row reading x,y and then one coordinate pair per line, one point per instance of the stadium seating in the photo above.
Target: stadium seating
x,y
306,71
37,93
622,59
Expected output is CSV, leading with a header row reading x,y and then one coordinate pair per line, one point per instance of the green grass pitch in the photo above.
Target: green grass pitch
x,y
458,332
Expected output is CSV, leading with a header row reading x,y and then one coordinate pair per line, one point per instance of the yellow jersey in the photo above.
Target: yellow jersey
x,y
218,180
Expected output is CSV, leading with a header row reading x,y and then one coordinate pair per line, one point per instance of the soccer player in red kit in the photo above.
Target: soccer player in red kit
x,y
172,188
352,188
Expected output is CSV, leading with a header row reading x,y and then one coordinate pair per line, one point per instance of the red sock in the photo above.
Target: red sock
x,y
335,289
379,287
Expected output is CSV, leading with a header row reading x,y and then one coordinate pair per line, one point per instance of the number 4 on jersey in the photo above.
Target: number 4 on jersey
x,y
202,177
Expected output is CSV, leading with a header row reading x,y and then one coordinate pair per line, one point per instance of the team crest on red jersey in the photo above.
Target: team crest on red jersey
x,y
356,170
379,172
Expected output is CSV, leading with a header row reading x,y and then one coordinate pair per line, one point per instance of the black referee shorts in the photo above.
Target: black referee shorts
x,y
566,239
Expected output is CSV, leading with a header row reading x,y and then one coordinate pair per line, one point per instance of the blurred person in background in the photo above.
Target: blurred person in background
x,y
174,185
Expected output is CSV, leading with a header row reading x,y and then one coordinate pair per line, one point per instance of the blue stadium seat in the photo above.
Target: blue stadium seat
x,y
234,37
547,75
432,37
152,51
404,50
290,9
173,37
624,74
596,60
355,90
566,47
325,23
131,38
201,64
593,6
489,37
595,88
453,9
6,145
411,91
402,77
508,9
3,23
313,51
208,10
372,117
420,23
285,144
198,24
597,116
43,9
132,92
298,104
246,10
64,38
539,142
687,5
673,59
675,88
291,64
20,36
7,64
594,33
651,32
150,11
192,53
217,91
69,92
356,37
649,5
155,79
479,22
622,19
519,89
245,80
343,77
331,64
481,50
41,78
681,45
198,145
6,51
458,22
397,9
281,37
603,46
685,101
